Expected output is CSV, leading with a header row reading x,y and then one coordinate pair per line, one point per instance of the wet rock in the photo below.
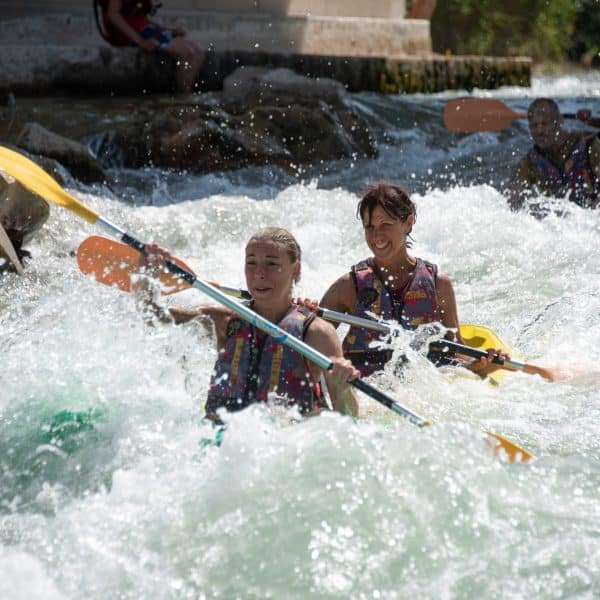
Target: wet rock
x,y
22,215
260,117
74,156
252,86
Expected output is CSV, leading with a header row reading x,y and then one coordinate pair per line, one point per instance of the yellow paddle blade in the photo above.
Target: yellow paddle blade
x,y
468,115
38,181
482,338
478,336
500,445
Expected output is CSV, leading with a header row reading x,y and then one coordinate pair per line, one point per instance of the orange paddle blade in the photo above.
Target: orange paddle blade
x,y
113,263
467,115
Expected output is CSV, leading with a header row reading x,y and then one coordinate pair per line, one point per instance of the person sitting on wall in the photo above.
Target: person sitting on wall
x,y
129,23
560,163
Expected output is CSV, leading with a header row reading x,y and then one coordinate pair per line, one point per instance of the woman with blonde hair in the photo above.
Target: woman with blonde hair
x,y
253,366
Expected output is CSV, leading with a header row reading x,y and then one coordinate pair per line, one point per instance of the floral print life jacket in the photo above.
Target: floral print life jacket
x,y
418,306
247,370
574,176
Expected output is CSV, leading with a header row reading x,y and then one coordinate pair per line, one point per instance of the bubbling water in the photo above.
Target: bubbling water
x,y
108,488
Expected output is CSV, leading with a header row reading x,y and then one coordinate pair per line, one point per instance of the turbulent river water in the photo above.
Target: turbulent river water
x,y
106,490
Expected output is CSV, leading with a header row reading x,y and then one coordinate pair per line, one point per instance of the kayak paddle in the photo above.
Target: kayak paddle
x,y
475,352
514,365
113,263
38,181
468,115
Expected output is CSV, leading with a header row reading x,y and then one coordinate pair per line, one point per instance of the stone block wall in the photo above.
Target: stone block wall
x,y
384,9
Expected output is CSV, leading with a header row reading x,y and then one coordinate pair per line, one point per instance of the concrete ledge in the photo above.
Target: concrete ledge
x,y
340,36
106,70
385,9
74,69
427,74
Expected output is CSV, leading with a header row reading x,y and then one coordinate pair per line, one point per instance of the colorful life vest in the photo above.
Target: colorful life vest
x,y
575,174
247,372
418,306
135,12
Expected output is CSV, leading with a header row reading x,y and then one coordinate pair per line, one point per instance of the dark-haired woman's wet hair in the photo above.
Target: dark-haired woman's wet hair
x,y
392,198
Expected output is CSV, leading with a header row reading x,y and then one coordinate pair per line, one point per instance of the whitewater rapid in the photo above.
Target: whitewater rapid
x,y
106,490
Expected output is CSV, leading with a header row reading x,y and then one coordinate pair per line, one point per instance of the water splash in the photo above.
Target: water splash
x,y
107,491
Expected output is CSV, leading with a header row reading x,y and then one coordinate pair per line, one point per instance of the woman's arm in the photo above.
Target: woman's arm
x,y
323,337
146,292
449,317
447,305
341,295
210,316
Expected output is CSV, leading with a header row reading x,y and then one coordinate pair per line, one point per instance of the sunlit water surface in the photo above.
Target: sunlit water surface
x,y
107,491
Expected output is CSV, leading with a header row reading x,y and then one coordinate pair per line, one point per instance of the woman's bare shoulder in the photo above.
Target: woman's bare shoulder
x,y
341,295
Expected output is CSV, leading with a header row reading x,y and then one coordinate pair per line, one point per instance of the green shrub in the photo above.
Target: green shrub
x,y
585,41
544,29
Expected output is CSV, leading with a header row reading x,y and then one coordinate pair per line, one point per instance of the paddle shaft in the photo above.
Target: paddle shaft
x,y
476,353
511,364
332,315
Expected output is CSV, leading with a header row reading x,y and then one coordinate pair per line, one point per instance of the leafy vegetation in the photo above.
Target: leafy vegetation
x,y
547,30
585,42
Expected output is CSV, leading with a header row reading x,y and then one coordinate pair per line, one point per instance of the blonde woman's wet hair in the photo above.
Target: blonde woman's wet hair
x,y
280,236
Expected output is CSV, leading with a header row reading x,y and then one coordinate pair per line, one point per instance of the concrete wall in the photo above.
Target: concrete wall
x,y
395,9
331,36
106,70
53,45
384,9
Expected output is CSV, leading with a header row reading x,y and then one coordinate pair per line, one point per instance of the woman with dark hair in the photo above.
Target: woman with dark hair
x,y
392,284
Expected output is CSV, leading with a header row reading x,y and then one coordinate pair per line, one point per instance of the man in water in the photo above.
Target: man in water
x,y
560,163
